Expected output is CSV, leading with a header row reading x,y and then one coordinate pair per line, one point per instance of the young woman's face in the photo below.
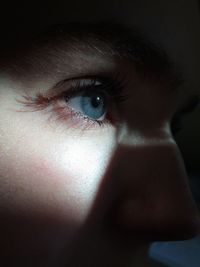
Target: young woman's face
x,y
89,167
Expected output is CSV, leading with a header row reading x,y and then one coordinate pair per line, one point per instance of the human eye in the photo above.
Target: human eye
x,y
82,102
91,104
177,120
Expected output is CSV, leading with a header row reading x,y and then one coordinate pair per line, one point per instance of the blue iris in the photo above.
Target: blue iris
x,y
90,104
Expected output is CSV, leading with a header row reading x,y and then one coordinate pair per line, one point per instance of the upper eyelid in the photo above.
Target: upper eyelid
x,y
190,106
113,83
58,91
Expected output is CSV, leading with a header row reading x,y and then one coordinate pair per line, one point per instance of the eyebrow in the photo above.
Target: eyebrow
x,y
109,39
120,40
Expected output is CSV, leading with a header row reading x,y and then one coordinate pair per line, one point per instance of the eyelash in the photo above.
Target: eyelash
x,y
112,87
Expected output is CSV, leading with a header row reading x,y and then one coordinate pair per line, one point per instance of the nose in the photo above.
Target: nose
x,y
151,198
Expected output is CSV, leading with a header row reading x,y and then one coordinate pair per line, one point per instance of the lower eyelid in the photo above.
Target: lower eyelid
x,y
59,111
73,119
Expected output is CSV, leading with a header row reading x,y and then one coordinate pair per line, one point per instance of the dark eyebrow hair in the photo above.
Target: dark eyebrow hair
x,y
111,39
120,40
123,41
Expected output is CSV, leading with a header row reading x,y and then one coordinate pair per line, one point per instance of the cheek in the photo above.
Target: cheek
x,y
54,174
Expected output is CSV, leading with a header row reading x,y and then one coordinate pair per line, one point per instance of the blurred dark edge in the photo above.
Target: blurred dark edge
x,y
194,181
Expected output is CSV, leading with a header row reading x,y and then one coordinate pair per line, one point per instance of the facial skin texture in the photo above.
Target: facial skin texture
x,y
74,195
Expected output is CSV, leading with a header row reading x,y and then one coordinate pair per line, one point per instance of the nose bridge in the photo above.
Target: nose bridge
x,y
152,191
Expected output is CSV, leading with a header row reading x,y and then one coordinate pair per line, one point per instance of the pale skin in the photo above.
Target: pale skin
x,y
77,192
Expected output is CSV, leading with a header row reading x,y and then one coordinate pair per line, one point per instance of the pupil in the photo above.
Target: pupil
x,y
96,101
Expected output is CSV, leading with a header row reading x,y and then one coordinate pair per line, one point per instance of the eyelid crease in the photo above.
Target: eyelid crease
x,y
113,84
191,105
177,120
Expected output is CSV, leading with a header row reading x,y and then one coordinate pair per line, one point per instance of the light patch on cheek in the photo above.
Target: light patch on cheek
x,y
81,167
59,178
